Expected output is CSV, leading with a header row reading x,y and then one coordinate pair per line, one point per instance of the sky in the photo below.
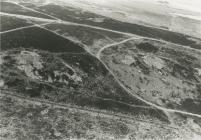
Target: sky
x,y
191,5
159,13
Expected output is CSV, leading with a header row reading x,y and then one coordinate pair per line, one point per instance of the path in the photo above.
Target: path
x,y
91,111
115,44
93,27
128,91
25,27
135,95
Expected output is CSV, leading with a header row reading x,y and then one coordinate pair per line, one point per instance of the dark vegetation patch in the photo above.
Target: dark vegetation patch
x,y
182,72
192,105
185,73
199,90
181,64
181,56
51,64
147,47
141,64
87,63
37,38
120,129
12,8
83,17
151,32
8,23
79,97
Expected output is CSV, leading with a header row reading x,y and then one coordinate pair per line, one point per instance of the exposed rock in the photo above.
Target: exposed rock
x,y
28,61
199,71
154,61
96,19
1,60
1,83
128,60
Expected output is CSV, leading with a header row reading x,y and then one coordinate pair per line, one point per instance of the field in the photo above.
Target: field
x,y
9,23
85,17
67,73
36,38
46,66
12,8
93,39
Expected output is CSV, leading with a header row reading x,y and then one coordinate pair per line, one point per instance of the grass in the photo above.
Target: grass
x,y
67,13
146,47
12,8
85,35
9,23
83,17
37,38
23,120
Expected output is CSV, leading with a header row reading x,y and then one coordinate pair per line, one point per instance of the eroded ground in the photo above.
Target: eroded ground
x,y
163,73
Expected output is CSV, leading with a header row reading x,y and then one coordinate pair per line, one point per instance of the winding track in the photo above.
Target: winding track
x,y
115,44
128,91
135,95
145,101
